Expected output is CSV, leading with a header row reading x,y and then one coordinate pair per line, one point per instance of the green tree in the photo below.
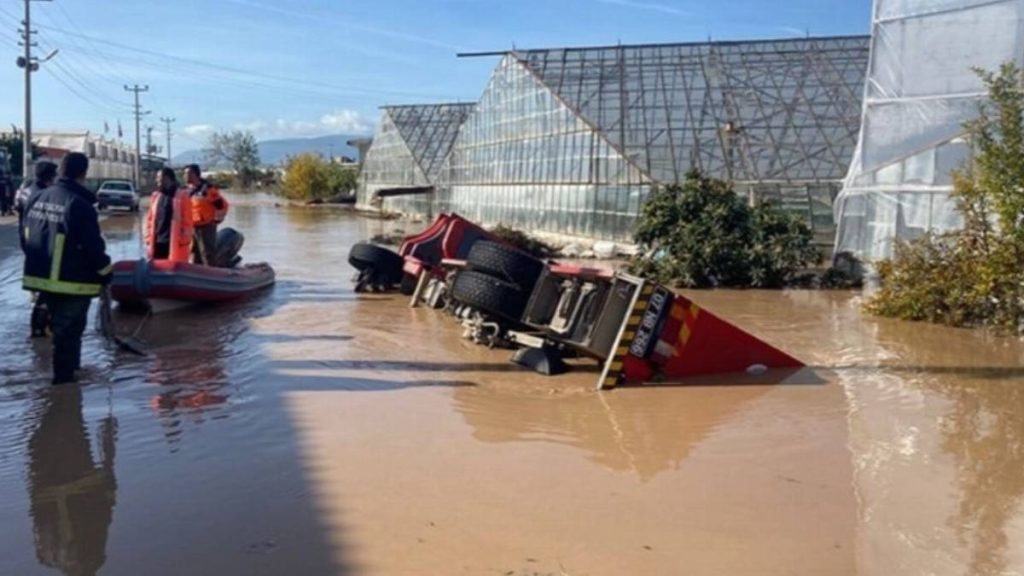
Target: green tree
x,y
309,177
14,144
306,178
237,149
973,276
342,180
701,234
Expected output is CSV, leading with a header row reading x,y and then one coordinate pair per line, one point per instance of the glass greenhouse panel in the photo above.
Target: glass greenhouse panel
x,y
525,159
409,150
748,111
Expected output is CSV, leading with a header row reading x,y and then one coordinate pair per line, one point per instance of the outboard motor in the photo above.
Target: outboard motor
x,y
229,244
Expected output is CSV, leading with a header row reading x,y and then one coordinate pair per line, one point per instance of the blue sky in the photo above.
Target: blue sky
x,y
286,68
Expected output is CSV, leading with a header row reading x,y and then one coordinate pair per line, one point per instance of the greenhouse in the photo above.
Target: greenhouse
x,y
921,89
570,140
407,155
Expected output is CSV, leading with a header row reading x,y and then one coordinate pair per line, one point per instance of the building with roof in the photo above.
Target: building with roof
x,y
407,154
921,89
108,159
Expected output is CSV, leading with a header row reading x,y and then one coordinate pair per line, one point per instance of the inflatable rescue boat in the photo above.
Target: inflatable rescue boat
x,y
164,284
137,282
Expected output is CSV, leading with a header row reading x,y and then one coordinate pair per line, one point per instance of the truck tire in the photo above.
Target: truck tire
x,y
387,264
489,294
506,263
408,285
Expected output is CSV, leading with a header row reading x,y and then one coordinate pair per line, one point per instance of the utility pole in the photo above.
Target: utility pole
x,y
30,66
149,140
138,136
167,122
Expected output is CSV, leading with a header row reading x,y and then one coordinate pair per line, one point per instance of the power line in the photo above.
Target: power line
x,y
85,63
70,78
102,99
207,76
116,73
67,83
222,68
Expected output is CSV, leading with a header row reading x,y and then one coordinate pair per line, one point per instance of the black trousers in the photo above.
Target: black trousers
x,y
69,315
204,246
161,250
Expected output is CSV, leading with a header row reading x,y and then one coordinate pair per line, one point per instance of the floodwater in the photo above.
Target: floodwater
x,y
314,431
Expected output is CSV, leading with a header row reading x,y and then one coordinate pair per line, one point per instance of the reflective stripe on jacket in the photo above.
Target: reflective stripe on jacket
x,y
64,250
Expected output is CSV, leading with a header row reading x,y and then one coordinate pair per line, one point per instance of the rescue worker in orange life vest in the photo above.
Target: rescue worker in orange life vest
x,y
209,209
163,207
66,259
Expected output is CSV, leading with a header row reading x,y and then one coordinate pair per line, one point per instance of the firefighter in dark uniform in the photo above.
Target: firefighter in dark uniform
x,y
46,174
66,259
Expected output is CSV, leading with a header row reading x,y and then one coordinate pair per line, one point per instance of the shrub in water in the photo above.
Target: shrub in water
x,y
701,234
973,276
523,241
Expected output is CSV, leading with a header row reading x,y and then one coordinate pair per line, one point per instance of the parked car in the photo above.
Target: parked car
x,y
117,193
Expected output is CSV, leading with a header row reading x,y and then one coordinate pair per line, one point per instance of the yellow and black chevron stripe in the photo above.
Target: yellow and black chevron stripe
x,y
688,317
613,366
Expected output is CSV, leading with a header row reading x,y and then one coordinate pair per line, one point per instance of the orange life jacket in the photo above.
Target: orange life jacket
x,y
208,206
182,228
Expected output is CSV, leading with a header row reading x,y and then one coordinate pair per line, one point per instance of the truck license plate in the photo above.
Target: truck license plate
x,y
650,326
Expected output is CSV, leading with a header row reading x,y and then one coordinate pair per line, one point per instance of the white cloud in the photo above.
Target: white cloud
x,y
198,130
348,121
341,121
255,126
283,127
337,122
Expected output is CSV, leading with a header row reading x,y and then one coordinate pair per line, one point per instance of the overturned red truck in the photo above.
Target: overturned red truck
x,y
640,331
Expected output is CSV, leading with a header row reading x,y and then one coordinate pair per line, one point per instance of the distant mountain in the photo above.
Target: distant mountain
x,y
274,152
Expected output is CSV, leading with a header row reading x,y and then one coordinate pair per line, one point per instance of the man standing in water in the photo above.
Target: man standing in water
x,y
66,259
161,218
209,209
46,173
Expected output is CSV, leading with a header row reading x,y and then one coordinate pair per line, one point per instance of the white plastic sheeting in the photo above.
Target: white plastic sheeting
x,y
921,88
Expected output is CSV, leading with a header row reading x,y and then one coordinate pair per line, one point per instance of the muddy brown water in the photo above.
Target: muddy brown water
x,y
314,431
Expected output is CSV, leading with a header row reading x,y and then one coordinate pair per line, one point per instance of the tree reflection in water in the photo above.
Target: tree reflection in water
x,y
981,378
984,432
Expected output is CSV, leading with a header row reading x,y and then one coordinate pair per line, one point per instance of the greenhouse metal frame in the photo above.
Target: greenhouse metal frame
x,y
570,141
408,153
